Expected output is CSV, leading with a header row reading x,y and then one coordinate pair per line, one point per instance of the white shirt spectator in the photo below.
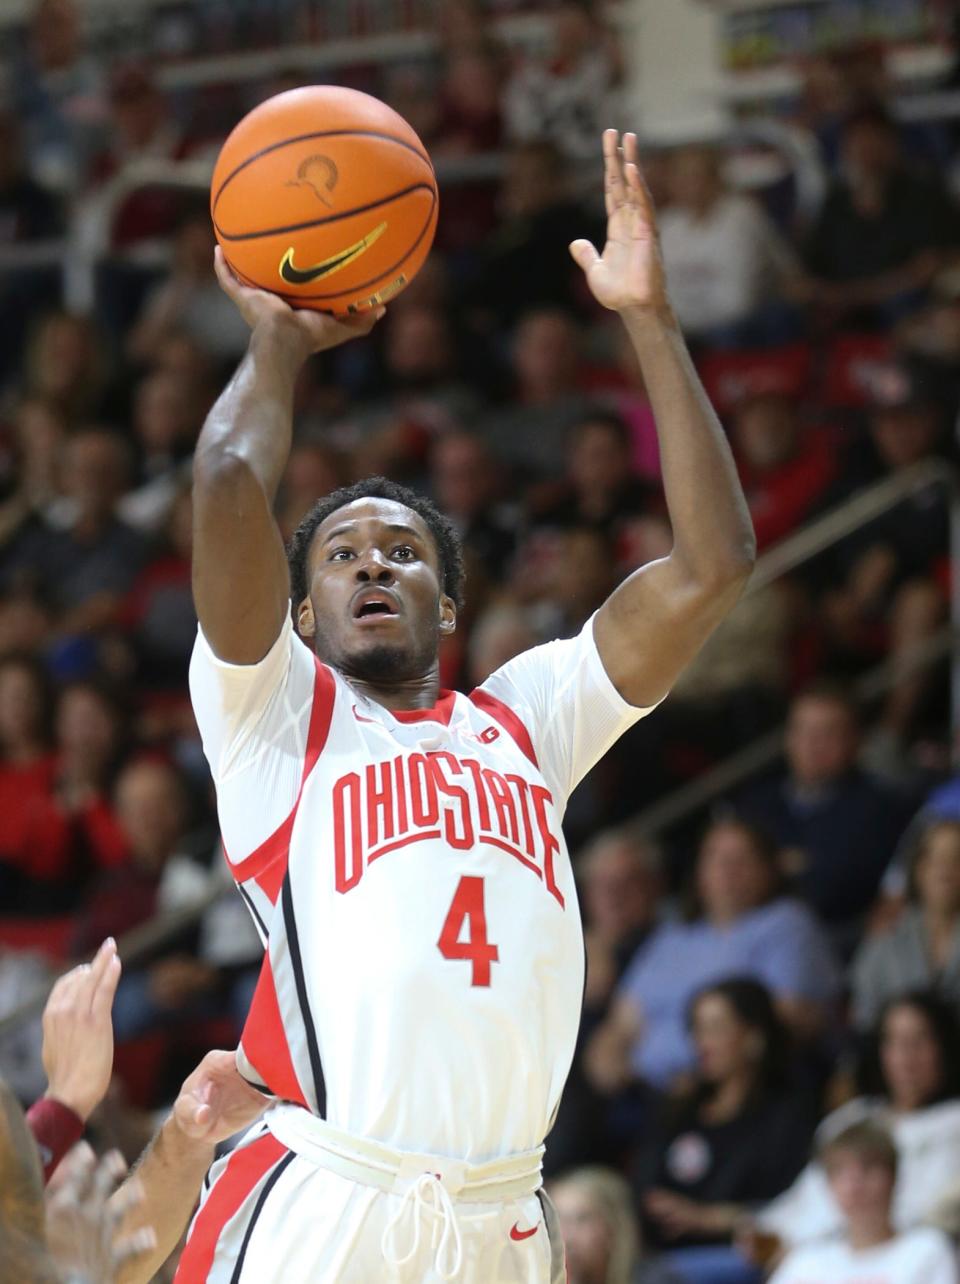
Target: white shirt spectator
x,y
571,106
722,266
928,1143
922,1256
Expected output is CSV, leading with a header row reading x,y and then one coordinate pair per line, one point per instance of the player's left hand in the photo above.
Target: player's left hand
x,y
629,275
216,1101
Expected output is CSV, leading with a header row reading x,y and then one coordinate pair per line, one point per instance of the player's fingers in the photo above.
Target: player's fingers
x,y
99,966
109,1173
129,1247
79,1179
225,275
101,1004
614,192
363,322
127,1198
584,254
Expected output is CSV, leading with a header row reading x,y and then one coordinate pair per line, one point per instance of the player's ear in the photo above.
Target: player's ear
x,y
306,622
448,615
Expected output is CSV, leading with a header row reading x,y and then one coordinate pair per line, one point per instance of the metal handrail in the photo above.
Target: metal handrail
x,y
809,542
845,518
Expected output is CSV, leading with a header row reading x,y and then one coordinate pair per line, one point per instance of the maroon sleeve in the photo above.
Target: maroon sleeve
x,y
56,1128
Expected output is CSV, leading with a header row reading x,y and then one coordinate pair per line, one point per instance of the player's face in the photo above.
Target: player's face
x,y
375,609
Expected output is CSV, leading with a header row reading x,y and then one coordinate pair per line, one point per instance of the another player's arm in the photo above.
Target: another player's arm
x,y
23,1254
241,584
654,623
213,1104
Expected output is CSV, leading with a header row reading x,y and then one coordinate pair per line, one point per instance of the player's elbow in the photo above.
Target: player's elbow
x,y
223,477
722,576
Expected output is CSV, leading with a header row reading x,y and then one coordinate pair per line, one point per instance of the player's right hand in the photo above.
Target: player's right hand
x,y
308,331
216,1101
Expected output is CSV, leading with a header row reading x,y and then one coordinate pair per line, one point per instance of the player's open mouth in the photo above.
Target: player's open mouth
x,y
373,605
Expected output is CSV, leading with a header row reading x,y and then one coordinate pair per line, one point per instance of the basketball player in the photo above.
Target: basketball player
x,y
400,847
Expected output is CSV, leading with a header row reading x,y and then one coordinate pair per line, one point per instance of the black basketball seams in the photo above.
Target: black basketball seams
x,y
304,138
330,218
364,285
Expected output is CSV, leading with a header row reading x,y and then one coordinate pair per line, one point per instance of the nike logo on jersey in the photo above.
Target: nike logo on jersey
x,y
518,1234
360,718
326,267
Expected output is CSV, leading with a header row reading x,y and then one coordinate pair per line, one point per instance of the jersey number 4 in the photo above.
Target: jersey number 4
x,y
467,911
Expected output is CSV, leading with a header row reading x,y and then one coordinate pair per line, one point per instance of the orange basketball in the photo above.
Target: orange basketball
x,y
326,197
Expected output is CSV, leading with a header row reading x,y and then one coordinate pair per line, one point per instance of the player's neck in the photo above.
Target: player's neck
x,y
408,693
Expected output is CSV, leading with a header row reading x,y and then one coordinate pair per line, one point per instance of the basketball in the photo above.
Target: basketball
x,y
326,197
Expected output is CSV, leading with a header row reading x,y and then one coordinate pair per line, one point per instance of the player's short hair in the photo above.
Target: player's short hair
x,y
867,1140
445,537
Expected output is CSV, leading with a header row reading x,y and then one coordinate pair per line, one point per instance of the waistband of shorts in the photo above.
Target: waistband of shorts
x,y
373,1164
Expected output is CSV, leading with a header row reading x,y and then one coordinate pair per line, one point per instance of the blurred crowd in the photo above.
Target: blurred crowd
x,y
770,1054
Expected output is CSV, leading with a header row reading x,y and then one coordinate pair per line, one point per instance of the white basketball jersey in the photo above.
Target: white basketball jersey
x,y
424,968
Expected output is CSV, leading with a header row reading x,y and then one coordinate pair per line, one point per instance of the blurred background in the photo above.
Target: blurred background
x,y
788,824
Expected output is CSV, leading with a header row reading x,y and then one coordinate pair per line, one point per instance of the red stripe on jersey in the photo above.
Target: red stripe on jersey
x,y
265,1042
508,720
440,712
268,863
245,1168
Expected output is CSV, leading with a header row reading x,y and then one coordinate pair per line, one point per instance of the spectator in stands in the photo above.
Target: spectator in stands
x,y
471,118
836,825
84,567
530,435
313,469
167,415
57,825
468,484
599,1229
420,394
727,266
141,128
161,877
525,262
914,1095
189,302
159,617
28,211
570,94
861,1168
39,441
502,631
740,1134
64,365
921,951
785,467
600,488
883,231
741,924
621,878
57,93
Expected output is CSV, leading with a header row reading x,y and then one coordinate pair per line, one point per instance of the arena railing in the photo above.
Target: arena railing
x,y
809,542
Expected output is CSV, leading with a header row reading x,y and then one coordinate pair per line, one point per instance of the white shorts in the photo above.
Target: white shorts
x,y
300,1203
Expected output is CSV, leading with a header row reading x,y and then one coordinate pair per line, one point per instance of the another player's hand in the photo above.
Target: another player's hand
x,y
629,275
309,331
78,1032
216,1101
83,1221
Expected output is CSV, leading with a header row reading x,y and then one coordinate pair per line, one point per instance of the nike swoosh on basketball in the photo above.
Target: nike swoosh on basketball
x,y
517,1233
293,275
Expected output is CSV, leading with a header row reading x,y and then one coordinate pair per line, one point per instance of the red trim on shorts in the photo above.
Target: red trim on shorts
x,y
264,1039
268,863
245,1168
503,714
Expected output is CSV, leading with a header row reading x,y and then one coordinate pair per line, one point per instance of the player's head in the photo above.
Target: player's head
x,y
376,579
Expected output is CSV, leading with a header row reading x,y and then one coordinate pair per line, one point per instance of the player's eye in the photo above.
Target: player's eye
x,y
341,554
405,553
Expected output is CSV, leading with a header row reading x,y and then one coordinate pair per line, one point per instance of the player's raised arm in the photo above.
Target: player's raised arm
x,y
655,622
241,585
